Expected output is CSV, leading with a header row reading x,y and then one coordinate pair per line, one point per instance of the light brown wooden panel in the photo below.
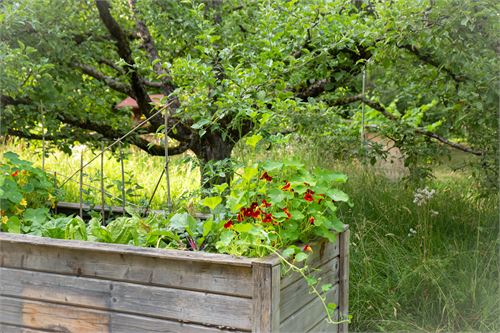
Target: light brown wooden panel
x,y
67,319
167,303
185,274
266,299
296,295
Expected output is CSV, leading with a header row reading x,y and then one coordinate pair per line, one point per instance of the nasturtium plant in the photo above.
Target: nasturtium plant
x,y
278,204
23,188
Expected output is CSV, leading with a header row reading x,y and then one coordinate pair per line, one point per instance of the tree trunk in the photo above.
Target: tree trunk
x,y
210,149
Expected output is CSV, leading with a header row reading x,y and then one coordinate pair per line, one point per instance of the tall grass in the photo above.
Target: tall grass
x,y
440,277
430,268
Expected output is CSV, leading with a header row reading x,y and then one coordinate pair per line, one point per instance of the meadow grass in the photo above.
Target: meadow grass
x,y
429,268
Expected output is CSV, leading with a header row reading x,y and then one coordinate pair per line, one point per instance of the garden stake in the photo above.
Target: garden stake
x,y
55,189
81,184
102,182
363,141
43,138
123,178
154,192
169,201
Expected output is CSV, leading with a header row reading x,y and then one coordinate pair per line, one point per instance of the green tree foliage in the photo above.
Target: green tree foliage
x,y
229,68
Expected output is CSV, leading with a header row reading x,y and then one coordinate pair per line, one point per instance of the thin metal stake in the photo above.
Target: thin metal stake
x,y
81,184
169,200
123,178
363,110
102,182
55,189
43,138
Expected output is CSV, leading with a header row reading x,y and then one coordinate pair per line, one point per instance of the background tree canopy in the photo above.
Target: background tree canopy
x,y
230,68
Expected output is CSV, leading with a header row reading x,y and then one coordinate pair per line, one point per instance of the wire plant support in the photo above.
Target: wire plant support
x,y
104,148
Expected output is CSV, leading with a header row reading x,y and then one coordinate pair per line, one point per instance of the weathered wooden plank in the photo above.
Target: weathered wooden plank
x,y
183,274
344,277
92,247
23,315
74,208
167,303
266,280
6,328
324,327
297,294
309,315
322,253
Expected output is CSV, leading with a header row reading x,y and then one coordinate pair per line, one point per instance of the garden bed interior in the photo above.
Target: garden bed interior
x,y
51,285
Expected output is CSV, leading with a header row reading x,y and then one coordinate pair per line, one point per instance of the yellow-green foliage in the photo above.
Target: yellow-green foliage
x,y
141,169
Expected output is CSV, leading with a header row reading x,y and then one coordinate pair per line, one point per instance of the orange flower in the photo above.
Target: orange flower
x,y
307,248
311,220
15,173
228,224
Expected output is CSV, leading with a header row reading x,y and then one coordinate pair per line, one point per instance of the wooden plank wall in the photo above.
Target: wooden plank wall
x,y
301,311
50,285
87,288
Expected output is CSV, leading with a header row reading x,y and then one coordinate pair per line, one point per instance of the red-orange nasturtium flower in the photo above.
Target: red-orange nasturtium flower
x,y
228,224
307,248
239,217
287,187
308,197
287,212
266,176
311,220
256,213
265,203
268,218
15,173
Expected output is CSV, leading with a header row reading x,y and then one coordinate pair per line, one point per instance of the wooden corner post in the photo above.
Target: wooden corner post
x,y
266,296
343,278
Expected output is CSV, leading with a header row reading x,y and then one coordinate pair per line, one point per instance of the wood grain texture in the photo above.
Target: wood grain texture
x,y
5,328
92,247
183,274
322,253
309,315
66,318
296,295
344,278
266,298
159,302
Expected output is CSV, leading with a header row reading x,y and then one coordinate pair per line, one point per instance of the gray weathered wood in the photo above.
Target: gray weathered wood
x,y
324,327
344,277
202,276
6,328
297,294
23,315
92,247
310,314
183,305
322,253
266,279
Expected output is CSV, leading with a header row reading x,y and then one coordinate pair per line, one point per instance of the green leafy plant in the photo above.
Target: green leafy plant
x,y
23,189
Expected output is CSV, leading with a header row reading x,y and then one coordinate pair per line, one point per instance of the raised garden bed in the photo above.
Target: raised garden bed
x,y
51,285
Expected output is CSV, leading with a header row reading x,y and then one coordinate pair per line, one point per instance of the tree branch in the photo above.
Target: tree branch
x,y
139,92
428,59
151,50
380,108
108,80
